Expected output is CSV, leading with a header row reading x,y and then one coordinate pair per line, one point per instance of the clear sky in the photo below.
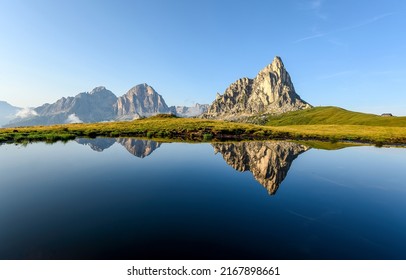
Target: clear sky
x,y
346,53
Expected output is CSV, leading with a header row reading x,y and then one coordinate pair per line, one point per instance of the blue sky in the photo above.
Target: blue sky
x,y
345,53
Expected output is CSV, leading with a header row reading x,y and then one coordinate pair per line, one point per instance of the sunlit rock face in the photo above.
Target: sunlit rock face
x,y
269,162
270,92
141,100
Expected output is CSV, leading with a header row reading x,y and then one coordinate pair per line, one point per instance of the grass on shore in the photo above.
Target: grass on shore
x,y
189,129
333,116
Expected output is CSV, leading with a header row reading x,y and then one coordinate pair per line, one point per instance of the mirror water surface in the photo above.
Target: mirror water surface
x,y
138,199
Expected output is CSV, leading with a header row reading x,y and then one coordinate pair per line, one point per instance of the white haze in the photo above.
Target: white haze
x,y
26,113
72,118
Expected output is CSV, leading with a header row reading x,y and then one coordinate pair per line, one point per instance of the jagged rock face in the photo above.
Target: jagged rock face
x,y
94,106
269,162
141,100
139,148
270,92
197,110
97,106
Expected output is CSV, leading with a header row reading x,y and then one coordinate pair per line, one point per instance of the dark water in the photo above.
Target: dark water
x,y
133,199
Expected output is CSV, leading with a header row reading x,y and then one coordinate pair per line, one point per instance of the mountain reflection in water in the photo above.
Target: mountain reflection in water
x,y
67,201
138,148
269,162
97,144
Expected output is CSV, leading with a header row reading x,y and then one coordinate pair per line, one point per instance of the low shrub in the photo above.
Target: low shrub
x,y
207,137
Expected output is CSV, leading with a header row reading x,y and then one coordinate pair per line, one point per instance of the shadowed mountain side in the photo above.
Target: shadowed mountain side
x,y
87,107
7,112
139,148
99,105
269,162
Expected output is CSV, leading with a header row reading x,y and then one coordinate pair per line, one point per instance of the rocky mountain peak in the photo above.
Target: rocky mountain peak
x,y
270,92
141,89
277,63
99,89
277,69
141,100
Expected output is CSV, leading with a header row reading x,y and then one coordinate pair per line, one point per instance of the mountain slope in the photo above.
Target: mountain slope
x,y
333,116
270,92
7,112
97,106
94,106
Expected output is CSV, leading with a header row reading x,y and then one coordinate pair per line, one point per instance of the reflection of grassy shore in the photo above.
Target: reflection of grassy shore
x,y
164,127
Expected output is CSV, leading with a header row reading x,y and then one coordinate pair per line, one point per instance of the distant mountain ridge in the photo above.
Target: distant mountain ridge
x,y
270,92
101,105
94,106
7,112
198,109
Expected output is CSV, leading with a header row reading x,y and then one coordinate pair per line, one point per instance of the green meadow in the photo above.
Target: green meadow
x,y
333,116
329,124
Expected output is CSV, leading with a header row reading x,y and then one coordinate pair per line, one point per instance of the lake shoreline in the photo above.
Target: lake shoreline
x,y
199,130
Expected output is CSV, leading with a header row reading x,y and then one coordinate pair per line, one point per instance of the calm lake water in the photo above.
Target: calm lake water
x,y
138,199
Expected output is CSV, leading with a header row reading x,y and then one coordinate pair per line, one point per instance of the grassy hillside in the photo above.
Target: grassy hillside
x,y
334,116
